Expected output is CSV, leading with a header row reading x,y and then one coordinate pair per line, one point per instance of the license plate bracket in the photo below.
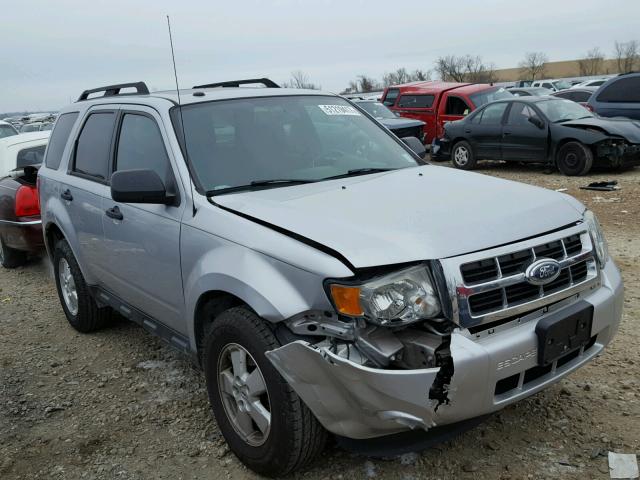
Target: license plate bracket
x,y
564,331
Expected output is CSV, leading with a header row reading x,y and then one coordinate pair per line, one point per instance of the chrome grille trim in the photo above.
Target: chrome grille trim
x,y
460,292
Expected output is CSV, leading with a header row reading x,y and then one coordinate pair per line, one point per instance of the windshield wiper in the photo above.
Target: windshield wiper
x,y
256,184
359,171
280,181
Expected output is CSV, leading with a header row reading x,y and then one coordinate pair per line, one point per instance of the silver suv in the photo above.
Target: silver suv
x,y
324,277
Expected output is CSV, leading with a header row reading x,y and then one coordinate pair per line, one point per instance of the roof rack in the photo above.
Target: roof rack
x,y
236,83
112,90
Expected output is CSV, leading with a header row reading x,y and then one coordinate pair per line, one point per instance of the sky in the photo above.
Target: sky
x,y
52,50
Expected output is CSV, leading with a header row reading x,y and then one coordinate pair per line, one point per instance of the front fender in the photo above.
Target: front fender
x,y
275,290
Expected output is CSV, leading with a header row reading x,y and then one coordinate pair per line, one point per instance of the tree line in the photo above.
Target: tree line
x,y
473,68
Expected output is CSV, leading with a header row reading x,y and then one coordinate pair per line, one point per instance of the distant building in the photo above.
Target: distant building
x,y
565,69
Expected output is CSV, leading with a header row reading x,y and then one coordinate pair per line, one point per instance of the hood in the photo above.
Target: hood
x,y
395,123
406,215
623,127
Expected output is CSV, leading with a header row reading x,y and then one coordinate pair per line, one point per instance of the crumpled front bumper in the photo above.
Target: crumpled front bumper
x,y
440,150
359,402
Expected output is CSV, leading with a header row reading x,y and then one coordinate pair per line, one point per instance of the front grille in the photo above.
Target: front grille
x,y
490,286
515,263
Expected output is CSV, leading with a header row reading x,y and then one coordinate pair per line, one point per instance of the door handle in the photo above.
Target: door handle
x,y
114,213
506,134
66,195
467,130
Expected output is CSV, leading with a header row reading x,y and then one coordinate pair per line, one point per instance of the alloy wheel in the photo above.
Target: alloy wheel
x,y
68,286
461,155
244,394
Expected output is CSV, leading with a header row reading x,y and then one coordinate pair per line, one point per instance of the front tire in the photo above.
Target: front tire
x,y
266,425
574,159
11,258
462,156
79,306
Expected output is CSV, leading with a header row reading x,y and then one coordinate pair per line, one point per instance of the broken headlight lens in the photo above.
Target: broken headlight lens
x,y
395,299
597,237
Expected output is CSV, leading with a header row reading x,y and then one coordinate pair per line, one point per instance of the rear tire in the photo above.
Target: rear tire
x,y
574,159
462,156
79,306
11,258
292,437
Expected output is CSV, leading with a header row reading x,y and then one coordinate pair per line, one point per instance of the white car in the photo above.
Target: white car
x,y
7,130
22,150
553,85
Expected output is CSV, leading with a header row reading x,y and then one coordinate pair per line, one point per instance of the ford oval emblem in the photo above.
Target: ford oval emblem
x,y
542,271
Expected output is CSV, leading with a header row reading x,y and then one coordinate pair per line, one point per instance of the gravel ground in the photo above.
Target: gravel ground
x,y
119,404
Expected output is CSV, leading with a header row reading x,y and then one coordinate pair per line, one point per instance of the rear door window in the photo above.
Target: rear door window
x,y
492,115
94,146
622,90
416,101
392,96
140,146
59,138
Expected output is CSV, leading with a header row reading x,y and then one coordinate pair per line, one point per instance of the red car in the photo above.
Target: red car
x,y
436,103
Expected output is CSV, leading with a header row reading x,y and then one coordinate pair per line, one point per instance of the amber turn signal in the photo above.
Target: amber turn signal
x,y
347,300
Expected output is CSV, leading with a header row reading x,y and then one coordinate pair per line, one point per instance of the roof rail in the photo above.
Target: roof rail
x,y
112,90
236,83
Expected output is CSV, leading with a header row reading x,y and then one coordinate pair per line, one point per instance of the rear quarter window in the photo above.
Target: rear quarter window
x,y
58,139
622,91
416,101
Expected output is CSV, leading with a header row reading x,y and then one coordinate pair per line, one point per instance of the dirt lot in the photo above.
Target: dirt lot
x,y
119,404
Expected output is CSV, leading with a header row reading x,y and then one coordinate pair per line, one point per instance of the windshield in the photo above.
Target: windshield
x,y
232,143
7,131
561,84
376,110
490,95
561,110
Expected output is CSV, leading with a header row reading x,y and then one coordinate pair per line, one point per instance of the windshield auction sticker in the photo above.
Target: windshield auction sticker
x,y
339,110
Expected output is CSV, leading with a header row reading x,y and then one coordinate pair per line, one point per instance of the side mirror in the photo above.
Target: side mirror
x,y
139,186
416,145
537,122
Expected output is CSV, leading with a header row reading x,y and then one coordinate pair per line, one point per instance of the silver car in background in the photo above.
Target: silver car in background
x,y
324,277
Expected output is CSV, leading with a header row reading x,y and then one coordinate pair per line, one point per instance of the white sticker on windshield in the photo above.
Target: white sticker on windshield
x,y
339,110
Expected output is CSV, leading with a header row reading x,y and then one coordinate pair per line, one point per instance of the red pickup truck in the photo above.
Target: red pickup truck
x,y
436,103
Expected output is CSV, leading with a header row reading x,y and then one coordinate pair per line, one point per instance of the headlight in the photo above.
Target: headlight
x,y
597,237
398,298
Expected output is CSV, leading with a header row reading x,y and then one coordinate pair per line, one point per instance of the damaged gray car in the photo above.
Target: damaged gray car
x,y
324,277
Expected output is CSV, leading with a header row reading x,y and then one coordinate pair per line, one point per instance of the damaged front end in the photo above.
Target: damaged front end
x,y
377,367
617,152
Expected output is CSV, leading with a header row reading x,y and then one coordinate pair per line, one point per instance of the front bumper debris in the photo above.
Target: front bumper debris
x,y
360,402
440,150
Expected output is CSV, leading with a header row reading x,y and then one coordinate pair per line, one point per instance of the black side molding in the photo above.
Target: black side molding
x,y
151,325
